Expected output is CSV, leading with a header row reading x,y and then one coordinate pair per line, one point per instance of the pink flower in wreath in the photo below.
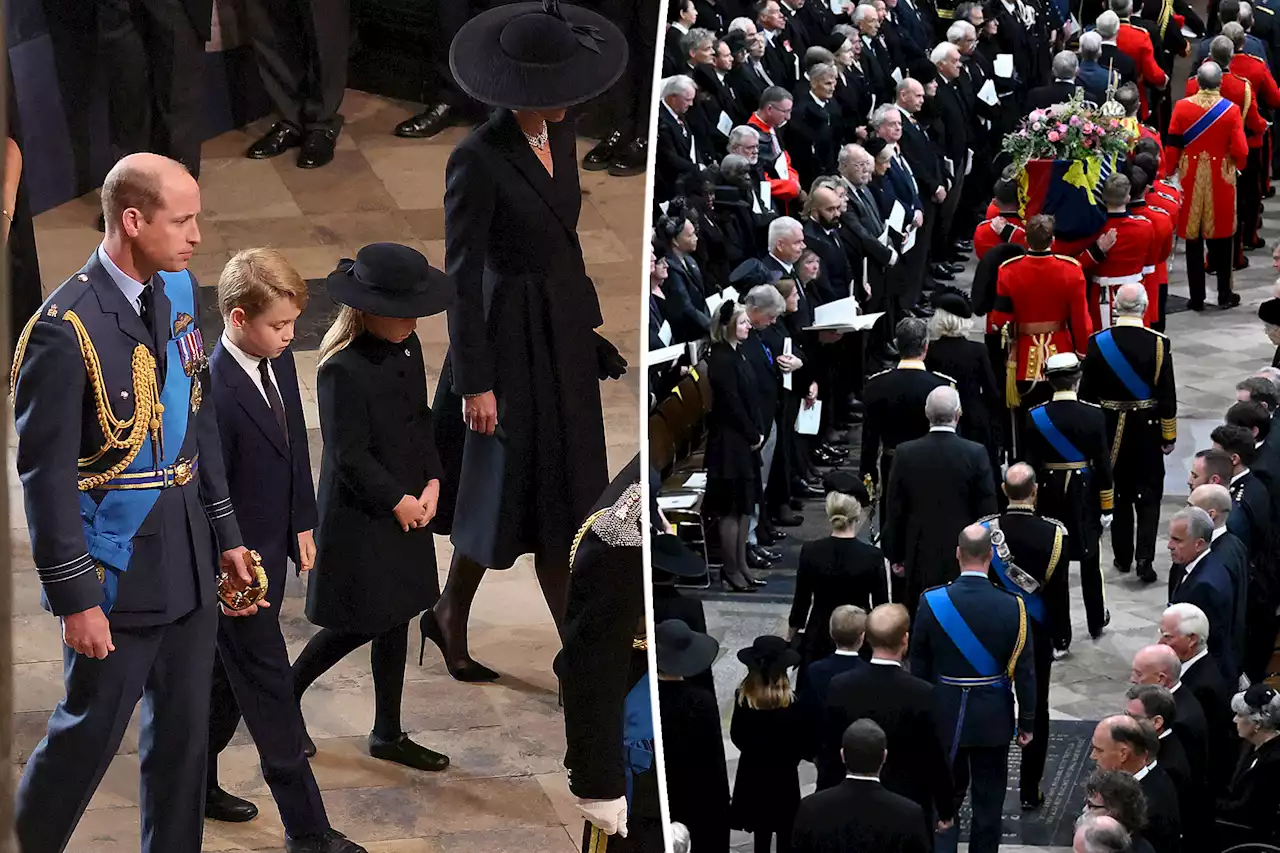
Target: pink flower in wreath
x,y
1062,128
1114,124
1036,126
1075,121
1053,136
1036,115
1090,128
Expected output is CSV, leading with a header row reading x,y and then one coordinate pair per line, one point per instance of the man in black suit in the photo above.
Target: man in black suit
x,y
1029,559
860,813
679,153
903,706
925,159
972,641
132,581
940,484
782,54
822,235
1155,704
1160,665
862,227
1112,56
1064,85
1185,629
951,108
154,56
1123,743
1207,583
1228,549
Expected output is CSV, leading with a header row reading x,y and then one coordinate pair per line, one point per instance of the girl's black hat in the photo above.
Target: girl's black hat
x,y
682,651
770,655
390,280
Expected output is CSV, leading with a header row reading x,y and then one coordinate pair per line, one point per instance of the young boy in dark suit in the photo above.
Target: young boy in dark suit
x,y
264,442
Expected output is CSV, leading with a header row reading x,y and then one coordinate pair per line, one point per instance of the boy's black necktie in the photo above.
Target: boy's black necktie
x,y
273,397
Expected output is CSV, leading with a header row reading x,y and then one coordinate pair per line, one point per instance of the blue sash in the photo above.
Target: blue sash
x,y
109,526
1054,436
1120,366
954,626
1205,122
637,732
1034,603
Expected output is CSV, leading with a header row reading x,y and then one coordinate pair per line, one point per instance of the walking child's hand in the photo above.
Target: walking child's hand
x,y
430,499
409,513
306,551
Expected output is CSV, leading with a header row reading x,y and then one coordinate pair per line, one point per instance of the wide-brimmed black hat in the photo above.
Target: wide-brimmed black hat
x,y
953,301
834,42
537,56
874,145
670,555
1269,312
846,484
751,273
682,651
769,655
390,280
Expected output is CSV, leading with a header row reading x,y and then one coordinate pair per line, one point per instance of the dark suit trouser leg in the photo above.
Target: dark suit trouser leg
x,y
1159,324
256,662
177,82
302,56
1091,588
1260,640
169,667
989,768
1248,203
1195,269
1220,259
1034,753
329,26
1122,528
1147,508
121,32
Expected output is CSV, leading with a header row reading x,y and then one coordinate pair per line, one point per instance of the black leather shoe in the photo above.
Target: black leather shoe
x,y
1195,305
606,151
428,123
1146,572
329,841
632,159
764,553
788,521
755,561
280,138
219,805
1123,568
406,752
1230,302
317,148
964,245
1030,804
956,264
941,273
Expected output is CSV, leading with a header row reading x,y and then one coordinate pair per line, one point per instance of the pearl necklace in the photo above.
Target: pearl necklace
x,y
537,140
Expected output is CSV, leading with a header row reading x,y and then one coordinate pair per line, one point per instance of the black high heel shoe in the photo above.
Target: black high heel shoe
x,y
470,671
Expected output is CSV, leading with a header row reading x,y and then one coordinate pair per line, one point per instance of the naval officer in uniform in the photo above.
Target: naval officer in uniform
x,y
127,505
1029,559
972,640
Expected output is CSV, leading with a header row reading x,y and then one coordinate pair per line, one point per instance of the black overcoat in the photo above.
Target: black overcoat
x,y
523,326
376,425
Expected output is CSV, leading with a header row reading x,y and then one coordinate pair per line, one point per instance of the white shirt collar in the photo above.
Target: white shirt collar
x,y
1191,661
786,266
1217,531
1065,395
129,286
1164,734
1258,444
817,100
676,25
1141,774
250,365
1191,566
861,776
943,428
846,653
886,662
973,574
1175,688
674,114
1238,476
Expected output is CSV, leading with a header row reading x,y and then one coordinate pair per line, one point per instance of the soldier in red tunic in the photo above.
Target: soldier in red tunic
x,y
1163,213
1124,263
1265,93
1006,226
1040,299
1135,42
1206,141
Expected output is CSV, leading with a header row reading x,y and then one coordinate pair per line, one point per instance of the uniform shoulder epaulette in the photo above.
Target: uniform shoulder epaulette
x,y
1055,521
1068,258
1139,216
1087,403
881,373
1261,8
1006,263
1167,197
617,525
62,300
986,518
942,375
1159,209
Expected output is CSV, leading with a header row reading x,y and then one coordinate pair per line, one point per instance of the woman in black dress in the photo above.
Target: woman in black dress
x,y
17,231
1252,804
952,354
840,569
768,729
520,425
734,437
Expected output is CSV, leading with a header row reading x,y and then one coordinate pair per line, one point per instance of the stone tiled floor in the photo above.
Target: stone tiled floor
x,y
506,789
1212,351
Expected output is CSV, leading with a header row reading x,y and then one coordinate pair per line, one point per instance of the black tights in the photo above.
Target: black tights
x,y
733,549
387,656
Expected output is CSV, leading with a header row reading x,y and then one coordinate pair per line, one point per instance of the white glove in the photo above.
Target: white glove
x,y
893,257
680,838
1106,521
609,815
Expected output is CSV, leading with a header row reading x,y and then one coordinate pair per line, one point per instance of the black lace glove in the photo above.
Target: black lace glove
x,y
610,362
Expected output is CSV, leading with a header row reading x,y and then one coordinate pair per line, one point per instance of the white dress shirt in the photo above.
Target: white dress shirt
x,y
250,365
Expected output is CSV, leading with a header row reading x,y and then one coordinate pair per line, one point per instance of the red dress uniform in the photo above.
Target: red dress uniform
x,y
1145,132
1266,91
784,190
1238,91
1135,43
1156,273
1042,297
1126,263
1206,165
985,238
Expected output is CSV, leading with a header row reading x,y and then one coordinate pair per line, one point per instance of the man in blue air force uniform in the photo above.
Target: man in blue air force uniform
x,y
971,639
127,507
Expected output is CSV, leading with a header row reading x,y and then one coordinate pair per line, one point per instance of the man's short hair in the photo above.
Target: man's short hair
x,y
255,278
1228,10
880,113
1019,481
1090,46
1157,701
781,227
692,40
1108,25
1122,8
1189,619
975,543
887,627
1005,193
773,96
1262,390
1251,415
1065,65
847,626
1105,834
904,85
131,184
1040,232
942,51
1235,33
1237,440
741,134
678,84
817,55
1209,75
911,337
1216,462
1213,497
863,12
960,30
863,744
1127,96
942,406
1222,50
1140,735
1115,192
1122,795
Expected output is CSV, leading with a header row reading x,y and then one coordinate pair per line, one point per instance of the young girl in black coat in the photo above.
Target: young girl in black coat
x,y
375,566
768,729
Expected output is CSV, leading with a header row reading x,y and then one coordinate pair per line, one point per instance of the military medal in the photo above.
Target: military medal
x,y
191,350
181,324
197,395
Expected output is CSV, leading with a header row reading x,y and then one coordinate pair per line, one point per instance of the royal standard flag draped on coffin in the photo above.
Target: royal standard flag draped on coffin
x,y
1069,191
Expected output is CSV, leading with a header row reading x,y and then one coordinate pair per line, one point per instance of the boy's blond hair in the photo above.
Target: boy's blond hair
x,y
254,278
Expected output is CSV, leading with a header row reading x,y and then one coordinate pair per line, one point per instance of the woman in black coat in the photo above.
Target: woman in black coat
x,y
840,569
1250,811
734,435
18,230
685,290
519,419
968,363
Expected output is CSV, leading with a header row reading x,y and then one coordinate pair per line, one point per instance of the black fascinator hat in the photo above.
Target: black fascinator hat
x,y
390,280
537,56
953,301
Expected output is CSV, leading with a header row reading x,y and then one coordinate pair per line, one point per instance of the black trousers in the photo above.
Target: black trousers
x,y
1248,202
169,668
627,104
984,773
1145,505
251,675
154,65
1091,587
1034,753
387,655
1219,259
301,47
438,85
1260,639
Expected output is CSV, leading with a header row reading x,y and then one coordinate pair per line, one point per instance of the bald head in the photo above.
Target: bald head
x,y
1100,834
973,551
1215,500
887,628
1131,300
1020,482
150,204
1156,665
1209,75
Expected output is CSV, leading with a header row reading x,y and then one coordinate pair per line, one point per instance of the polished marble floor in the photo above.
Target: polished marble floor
x,y
506,789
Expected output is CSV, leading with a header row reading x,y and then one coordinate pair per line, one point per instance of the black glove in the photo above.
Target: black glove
x,y
610,362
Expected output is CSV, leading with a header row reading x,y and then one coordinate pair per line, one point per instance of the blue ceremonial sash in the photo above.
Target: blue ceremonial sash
x,y
637,732
1120,366
954,626
1205,122
1034,603
1054,436
109,526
